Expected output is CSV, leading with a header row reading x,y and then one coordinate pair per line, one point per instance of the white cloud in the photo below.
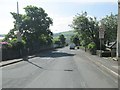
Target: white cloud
x,y
6,25
60,24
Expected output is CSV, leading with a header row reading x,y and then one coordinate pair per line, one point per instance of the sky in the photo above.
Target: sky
x,y
61,11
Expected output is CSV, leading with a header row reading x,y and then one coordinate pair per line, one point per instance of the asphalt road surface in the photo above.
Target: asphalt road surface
x,y
61,68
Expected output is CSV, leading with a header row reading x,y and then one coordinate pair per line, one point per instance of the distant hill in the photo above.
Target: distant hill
x,y
67,35
2,36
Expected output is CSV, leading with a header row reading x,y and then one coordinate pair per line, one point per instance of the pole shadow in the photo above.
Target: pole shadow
x,y
34,64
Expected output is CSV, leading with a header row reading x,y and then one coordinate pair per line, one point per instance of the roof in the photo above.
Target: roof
x,y
112,45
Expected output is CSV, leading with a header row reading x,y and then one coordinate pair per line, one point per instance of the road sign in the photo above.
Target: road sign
x,y
101,32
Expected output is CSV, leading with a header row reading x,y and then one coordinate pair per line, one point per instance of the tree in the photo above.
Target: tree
x,y
87,28
57,42
34,26
75,39
110,24
62,39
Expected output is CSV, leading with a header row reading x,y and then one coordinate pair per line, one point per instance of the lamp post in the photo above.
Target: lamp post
x,y
118,32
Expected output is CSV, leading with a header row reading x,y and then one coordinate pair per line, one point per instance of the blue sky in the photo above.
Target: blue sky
x,y
61,11
95,9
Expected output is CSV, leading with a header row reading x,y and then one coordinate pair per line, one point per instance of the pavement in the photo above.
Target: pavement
x,y
9,62
108,64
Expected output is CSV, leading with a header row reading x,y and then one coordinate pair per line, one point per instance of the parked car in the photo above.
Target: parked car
x,y
72,46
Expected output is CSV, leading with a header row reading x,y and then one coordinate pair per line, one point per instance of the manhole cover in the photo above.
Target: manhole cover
x,y
68,70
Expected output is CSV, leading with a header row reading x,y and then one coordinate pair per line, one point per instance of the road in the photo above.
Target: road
x,y
61,68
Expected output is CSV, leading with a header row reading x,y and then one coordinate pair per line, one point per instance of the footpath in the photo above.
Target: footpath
x,y
106,64
9,62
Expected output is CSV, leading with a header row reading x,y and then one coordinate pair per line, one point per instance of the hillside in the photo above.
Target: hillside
x,y
67,35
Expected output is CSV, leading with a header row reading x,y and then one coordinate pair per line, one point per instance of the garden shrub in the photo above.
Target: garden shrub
x,y
92,47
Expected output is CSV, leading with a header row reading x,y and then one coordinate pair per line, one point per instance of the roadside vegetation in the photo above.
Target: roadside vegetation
x,y
34,31
59,41
33,27
87,29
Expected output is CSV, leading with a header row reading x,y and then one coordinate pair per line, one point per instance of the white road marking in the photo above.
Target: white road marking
x,y
104,67
83,84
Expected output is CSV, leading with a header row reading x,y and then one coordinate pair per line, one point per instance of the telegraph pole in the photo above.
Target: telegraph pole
x,y
118,33
19,38
18,23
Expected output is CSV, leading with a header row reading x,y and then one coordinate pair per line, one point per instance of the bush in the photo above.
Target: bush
x,y
92,47
16,44
6,45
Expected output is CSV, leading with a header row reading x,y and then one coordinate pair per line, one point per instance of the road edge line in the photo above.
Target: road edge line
x,y
116,75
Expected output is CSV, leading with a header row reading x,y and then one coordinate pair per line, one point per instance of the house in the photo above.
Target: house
x,y
112,47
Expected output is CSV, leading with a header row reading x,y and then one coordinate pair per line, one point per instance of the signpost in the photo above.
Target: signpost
x,y
101,32
101,36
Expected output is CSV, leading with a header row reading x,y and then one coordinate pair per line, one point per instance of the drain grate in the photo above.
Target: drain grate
x,y
68,70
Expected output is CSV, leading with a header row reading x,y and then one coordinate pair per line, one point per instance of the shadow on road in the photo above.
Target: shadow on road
x,y
34,64
68,70
54,54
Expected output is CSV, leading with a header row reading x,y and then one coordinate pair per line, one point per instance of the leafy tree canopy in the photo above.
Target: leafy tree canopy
x,y
87,27
110,26
62,39
75,39
33,25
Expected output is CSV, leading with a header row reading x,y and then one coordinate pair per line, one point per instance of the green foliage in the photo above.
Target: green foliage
x,y
67,35
75,39
57,42
16,44
13,41
6,46
110,26
87,28
62,39
33,26
91,46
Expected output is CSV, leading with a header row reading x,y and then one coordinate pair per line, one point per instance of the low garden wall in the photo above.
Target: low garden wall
x,y
9,54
